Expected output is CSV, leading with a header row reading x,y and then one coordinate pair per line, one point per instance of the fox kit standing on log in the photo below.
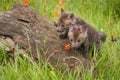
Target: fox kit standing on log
x,y
85,36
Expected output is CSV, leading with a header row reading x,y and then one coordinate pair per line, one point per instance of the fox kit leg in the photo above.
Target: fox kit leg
x,y
63,35
98,46
86,48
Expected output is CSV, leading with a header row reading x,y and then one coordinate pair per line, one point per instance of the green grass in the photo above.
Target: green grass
x,y
102,14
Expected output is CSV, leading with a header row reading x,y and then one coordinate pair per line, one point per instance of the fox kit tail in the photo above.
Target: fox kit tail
x,y
103,36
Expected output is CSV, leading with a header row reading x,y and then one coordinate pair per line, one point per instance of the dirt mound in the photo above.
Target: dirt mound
x,y
24,26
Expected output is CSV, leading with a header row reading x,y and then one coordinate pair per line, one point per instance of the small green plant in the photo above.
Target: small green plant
x,y
3,56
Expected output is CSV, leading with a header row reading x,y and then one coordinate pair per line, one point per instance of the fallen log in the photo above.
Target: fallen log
x,y
35,34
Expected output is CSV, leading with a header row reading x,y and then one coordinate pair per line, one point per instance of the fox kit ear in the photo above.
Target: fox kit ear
x,y
72,15
84,29
62,10
55,24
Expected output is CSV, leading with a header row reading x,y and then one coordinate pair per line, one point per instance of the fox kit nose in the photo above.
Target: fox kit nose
x,y
59,30
74,45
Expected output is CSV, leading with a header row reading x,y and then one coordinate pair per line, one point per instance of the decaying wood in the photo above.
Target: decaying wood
x,y
24,26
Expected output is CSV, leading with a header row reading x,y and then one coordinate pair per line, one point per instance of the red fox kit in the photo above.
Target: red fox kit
x,y
85,36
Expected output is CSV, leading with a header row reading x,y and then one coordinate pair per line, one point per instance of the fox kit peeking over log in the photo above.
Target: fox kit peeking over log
x,y
85,36
65,21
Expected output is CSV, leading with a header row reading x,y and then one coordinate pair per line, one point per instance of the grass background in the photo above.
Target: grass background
x,y
102,14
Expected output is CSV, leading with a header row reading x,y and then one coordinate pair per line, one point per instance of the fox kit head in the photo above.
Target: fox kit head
x,y
77,35
65,20
60,27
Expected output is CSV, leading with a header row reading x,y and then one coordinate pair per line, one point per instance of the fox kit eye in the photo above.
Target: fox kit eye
x,y
79,29
63,26
73,28
71,39
78,40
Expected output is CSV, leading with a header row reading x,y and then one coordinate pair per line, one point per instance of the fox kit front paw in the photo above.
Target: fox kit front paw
x,y
63,35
